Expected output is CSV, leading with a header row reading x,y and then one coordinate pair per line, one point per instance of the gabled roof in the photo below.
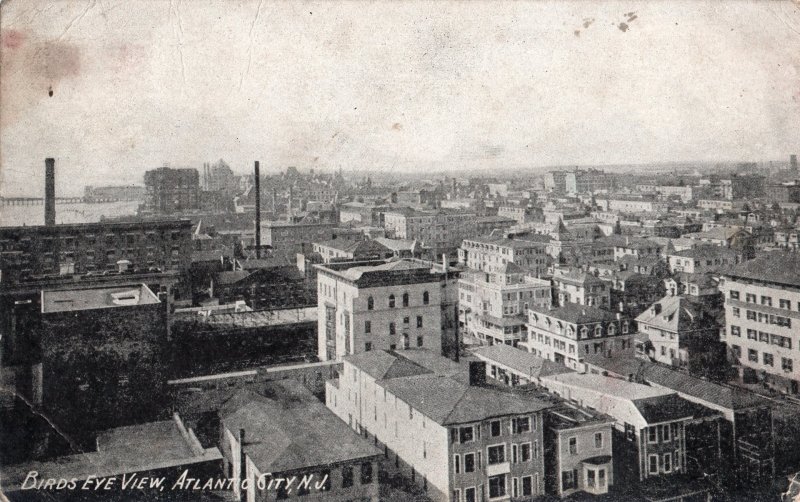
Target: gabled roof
x,y
671,313
287,429
520,360
383,365
577,314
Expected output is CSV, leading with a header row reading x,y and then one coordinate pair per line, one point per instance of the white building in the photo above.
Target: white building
x,y
493,306
380,306
762,318
490,254
567,334
458,438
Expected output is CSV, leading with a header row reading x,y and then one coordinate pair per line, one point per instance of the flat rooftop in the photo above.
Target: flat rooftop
x,y
126,450
72,300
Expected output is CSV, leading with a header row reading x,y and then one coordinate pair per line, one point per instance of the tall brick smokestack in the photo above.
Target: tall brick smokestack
x,y
50,192
257,176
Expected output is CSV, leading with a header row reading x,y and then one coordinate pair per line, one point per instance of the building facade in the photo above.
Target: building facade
x,y
169,191
378,306
491,254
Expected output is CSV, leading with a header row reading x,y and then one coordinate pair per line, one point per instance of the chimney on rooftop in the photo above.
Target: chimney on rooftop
x,y
477,373
50,192
257,175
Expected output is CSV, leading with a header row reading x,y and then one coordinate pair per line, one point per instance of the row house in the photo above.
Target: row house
x,y
567,334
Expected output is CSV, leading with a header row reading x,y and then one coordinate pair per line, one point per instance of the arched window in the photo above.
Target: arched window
x,y
391,301
598,330
425,298
612,330
625,327
584,332
405,299
370,303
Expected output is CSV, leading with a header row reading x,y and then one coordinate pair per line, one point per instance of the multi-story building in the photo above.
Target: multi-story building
x,y
702,258
658,436
493,306
485,225
100,348
762,316
681,331
520,214
218,177
290,238
459,438
28,253
582,288
440,230
567,334
631,204
666,191
169,190
340,250
491,254
285,433
783,192
379,306
638,248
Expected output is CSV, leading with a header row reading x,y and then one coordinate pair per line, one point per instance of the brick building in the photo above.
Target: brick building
x,y
169,191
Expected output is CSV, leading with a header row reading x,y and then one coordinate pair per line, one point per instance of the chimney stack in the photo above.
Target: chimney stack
x,y
257,175
50,192
477,373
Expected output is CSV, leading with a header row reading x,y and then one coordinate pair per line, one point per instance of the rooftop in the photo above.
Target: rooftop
x,y
287,428
72,300
780,267
520,360
126,450
577,314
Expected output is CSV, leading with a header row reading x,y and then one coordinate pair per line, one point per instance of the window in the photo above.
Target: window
x,y
494,428
469,494
521,425
370,303
590,478
736,331
752,355
392,329
750,298
527,486
419,321
766,300
457,495
367,346
347,477
497,486
652,436
768,360
419,341
752,334
598,439
367,327
736,312
668,462
569,479
366,473
391,301
514,454
406,320
524,452
457,464
465,435
786,364
425,298
469,462
573,446
665,433
496,454
653,464
785,304
751,315
405,299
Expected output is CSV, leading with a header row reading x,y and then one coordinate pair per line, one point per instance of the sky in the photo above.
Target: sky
x,y
389,85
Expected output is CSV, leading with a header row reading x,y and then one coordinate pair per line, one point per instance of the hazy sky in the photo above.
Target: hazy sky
x,y
382,85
